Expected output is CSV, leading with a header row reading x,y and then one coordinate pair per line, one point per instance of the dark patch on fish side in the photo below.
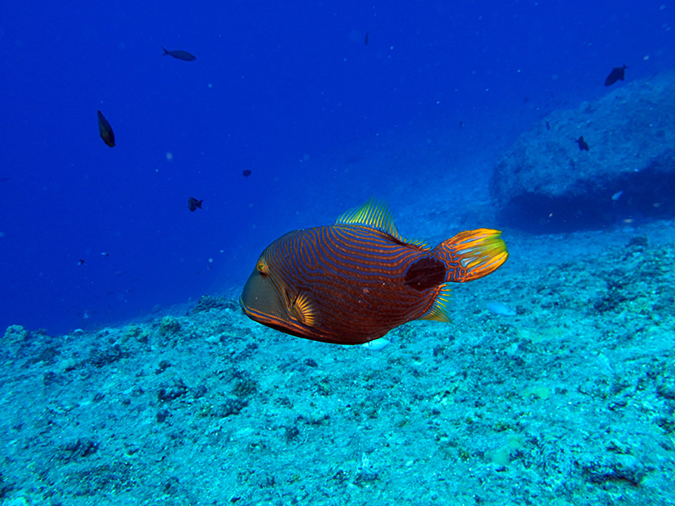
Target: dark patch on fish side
x,y
425,273
583,145
193,204
246,173
105,130
617,74
180,55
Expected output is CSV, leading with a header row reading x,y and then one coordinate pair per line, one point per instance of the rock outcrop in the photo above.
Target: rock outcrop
x,y
547,183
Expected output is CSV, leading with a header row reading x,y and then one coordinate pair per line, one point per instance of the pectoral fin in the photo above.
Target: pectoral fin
x,y
303,311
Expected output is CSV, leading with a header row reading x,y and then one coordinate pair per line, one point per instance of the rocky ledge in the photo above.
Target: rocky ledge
x,y
548,181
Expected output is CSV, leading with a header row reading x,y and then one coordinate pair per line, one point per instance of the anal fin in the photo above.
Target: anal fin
x,y
438,311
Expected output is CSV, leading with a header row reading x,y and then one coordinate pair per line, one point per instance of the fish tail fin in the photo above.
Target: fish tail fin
x,y
165,51
472,254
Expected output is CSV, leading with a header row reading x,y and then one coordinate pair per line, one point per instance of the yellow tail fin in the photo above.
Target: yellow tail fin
x,y
472,254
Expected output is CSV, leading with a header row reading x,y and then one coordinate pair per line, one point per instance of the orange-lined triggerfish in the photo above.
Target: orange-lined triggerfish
x,y
105,130
352,282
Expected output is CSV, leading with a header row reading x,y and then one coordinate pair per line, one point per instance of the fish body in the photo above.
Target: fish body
x,y
500,309
193,204
617,74
246,172
583,145
352,282
105,130
179,55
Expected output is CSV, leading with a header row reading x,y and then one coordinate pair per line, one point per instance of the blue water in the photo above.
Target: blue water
x,y
288,90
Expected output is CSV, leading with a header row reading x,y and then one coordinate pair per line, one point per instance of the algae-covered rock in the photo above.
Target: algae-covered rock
x,y
15,334
169,325
208,302
134,332
546,183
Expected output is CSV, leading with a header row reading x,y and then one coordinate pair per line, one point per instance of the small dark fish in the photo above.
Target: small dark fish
x,y
583,145
246,173
105,130
194,204
180,55
617,74
548,126
365,39
461,124
352,282
80,262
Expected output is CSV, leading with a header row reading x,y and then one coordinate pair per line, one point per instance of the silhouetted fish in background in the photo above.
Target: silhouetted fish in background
x,y
105,130
180,55
583,145
194,204
617,74
246,173
365,39
352,282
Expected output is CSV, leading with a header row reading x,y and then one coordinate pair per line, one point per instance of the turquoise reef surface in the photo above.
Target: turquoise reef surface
x,y
570,401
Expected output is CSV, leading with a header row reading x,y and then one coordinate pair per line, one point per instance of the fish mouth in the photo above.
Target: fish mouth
x,y
261,303
259,296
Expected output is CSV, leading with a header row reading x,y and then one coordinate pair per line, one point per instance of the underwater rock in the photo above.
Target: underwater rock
x,y
208,302
169,325
613,468
15,334
545,184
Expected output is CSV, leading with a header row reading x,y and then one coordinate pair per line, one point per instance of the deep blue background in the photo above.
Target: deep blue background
x,y
286,89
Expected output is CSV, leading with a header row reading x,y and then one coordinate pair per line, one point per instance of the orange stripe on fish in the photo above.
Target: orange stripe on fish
x,y
353,282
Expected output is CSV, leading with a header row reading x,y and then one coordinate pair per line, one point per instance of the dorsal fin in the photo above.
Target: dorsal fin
x,y
375,214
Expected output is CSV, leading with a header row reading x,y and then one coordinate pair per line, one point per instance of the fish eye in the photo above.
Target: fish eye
x,y
262,266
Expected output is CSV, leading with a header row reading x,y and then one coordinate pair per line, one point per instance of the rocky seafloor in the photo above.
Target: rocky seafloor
x,y
571,401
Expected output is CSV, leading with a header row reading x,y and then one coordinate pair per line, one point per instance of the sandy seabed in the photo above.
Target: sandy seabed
x,y
569,402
